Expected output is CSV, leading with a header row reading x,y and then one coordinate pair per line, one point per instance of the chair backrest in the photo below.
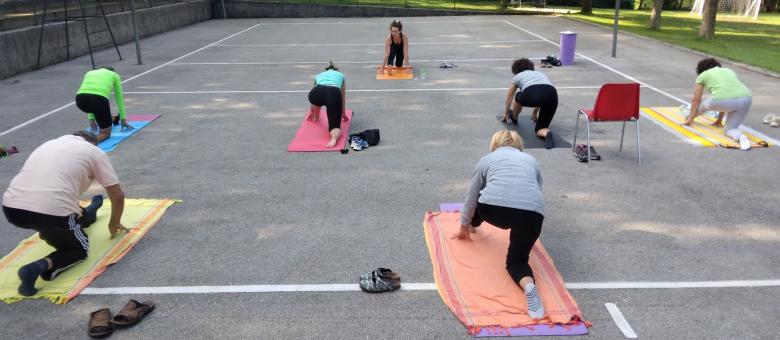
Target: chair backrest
x,y
617,102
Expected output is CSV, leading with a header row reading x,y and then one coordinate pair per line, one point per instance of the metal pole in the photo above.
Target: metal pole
x,y
224,11
615,29
135,34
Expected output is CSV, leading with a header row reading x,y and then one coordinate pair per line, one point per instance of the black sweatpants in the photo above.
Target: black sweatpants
x,y
96,105
64,233
543,96
397,54
330,97
525,227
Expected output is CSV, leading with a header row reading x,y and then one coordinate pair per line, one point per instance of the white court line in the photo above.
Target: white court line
x,y
17,127
620,321
371,22
345,62
643,84
371,44
348,287
360,90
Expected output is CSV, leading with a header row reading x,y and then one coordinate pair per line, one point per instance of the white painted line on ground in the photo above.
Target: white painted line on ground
x,y
342,62
369,44
373,23
360,90
17,127
678,99
409,286
620,321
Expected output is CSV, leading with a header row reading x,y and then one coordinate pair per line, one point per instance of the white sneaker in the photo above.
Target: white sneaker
x,y
744,143
775,122
769,118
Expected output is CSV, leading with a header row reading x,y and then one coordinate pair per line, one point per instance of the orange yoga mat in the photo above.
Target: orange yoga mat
x,y
472,280
395,73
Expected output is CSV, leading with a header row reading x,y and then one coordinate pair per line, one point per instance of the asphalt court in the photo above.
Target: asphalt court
x,y
253,214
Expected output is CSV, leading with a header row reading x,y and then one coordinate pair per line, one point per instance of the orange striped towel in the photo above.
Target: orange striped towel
x,y
472,280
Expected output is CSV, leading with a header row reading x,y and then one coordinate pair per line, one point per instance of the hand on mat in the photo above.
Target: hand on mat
x,y
717,123
125,126
465,232
688,121
116,229
93,125
344,117
535,115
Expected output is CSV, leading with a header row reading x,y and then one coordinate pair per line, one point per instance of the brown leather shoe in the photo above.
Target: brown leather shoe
x,y
99,325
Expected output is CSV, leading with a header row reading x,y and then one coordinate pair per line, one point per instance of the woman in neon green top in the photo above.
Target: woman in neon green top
x,y
728,95
92,98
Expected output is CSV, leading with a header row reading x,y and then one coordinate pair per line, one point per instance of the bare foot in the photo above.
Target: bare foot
x,y
331,143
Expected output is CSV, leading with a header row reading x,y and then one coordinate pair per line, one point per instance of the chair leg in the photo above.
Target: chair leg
x,y
638,151
587,130
576,127
622,133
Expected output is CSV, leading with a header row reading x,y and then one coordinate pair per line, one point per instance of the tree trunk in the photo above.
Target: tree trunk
x,y
707,30
771,5
655,17
587,7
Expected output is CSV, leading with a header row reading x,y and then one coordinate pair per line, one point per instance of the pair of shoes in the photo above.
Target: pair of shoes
x,y
447,65
379,281
101,324
772,120
581,153
357,143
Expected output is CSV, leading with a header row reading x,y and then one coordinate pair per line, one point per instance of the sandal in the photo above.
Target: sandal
x,y
132,313
381,272
380,281
99,325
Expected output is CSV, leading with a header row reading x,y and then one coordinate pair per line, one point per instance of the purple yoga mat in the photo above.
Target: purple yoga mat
x,y
450,207
538,330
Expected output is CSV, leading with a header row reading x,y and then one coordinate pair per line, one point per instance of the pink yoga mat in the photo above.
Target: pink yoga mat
x,y
312,136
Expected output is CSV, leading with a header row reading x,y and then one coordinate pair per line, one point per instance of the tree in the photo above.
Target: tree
x,y
771,5
587,7
655,17
707,30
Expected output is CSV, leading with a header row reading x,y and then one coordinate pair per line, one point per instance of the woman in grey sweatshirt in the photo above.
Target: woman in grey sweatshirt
x,y
506,191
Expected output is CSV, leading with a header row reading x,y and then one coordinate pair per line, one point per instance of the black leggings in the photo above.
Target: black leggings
x,y
525,227
543,96
97,106
330,97
397,53
64,233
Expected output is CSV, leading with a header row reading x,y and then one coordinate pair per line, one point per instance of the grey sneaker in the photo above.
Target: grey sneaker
x,y
378,284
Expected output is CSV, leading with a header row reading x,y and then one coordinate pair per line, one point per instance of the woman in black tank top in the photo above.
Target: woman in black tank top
x,y
396,47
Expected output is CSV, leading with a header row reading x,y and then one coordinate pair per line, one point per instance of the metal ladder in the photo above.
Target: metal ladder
x,y
84,18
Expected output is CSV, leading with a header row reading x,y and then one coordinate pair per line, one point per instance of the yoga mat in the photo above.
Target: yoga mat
x,y
472,280
701,132
117,135
525,128
140,215
313,136
398,73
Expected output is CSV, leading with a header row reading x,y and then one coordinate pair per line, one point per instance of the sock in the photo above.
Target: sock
x,y
28,274
535,307
744,142
90,212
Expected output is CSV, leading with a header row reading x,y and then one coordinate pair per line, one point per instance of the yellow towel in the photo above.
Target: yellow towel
x,y
140,215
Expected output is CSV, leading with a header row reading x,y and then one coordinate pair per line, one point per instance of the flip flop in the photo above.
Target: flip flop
x,y
99,325
132,313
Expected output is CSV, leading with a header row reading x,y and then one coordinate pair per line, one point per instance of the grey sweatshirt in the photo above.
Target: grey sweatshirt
x,y
506,177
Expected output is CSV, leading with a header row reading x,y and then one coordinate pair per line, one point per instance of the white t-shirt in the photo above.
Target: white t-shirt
x,y
56,174
527,78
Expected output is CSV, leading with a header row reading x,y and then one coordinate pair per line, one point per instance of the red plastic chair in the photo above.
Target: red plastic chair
x,y
615,103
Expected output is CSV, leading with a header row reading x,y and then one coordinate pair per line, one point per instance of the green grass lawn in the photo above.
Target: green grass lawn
x,y
754,42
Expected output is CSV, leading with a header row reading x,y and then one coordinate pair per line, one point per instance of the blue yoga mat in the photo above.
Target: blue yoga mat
x,y
117,135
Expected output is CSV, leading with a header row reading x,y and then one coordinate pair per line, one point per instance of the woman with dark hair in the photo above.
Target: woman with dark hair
x,y
728,95
330,90
506,191
396,46
535,90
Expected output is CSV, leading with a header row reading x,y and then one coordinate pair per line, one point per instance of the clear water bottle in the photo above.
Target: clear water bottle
x,y
422,74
